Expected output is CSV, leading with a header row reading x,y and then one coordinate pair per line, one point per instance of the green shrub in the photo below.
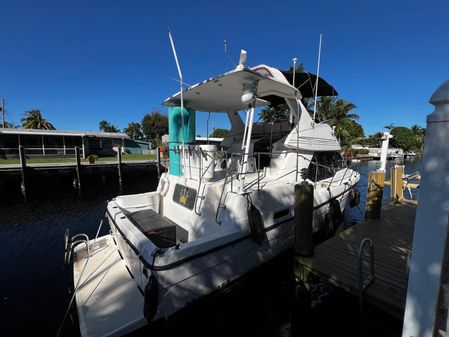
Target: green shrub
x,y
360,151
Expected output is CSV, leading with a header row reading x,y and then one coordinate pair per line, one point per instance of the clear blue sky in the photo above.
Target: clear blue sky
x,y
83,61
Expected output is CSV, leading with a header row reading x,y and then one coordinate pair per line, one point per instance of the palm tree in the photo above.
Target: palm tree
x,y
33,120
134,131
419,133
336,112
105,126
389,127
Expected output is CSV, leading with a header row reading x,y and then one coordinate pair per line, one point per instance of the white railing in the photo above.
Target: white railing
x,y
42,151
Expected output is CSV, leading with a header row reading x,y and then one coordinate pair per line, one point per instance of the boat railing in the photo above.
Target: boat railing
x,y
232,164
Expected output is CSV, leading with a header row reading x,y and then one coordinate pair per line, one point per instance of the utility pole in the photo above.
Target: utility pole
x,y
3,113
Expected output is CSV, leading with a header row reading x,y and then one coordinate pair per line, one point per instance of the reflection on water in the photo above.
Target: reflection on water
x,y
34,284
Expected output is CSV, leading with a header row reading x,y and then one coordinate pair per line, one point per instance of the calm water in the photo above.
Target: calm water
x,y
34,284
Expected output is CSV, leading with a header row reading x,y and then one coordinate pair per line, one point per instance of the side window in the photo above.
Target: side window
x,y
324,165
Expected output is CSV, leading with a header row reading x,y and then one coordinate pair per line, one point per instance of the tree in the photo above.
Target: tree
x,y
389,127
403,138
336,112
419,133
373,140
275,114
154,126
134,131
219,133
33,120
105,126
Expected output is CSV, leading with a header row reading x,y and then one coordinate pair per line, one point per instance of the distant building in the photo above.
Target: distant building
x,y
392,153
136,146
198,140
209,140
59,142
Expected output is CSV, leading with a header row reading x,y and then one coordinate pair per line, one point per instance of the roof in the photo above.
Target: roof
x,y
305,83
211,139
41,132
224,92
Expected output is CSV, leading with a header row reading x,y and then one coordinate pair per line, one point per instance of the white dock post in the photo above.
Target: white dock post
x,y
431,223
384,150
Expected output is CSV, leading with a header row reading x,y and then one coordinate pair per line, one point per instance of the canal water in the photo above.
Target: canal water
x,y
34,285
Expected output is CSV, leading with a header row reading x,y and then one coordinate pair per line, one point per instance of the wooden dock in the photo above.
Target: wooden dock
x,y
337,258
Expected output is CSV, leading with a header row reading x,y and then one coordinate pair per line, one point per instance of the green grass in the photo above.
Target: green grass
x,y
42,160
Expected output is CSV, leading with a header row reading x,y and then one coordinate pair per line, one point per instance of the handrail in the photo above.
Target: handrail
x,y
363,284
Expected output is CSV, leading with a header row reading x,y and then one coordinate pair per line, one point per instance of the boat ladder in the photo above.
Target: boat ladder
x,y
71,242
362,282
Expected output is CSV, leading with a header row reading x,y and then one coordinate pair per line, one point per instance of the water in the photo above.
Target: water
x,y
34,284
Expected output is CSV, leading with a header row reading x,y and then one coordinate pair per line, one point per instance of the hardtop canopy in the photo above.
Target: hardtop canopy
x,y
223,93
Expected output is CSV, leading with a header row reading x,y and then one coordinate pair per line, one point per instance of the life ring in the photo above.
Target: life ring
x,y
334,217
163,186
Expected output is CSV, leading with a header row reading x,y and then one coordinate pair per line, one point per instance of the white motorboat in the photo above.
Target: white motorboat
x,y
218,213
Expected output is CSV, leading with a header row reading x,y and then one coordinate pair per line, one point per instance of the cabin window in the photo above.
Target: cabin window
x,y
184,196
324,165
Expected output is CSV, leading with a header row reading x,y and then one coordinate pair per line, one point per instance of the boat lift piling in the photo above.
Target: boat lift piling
x,y
303,219
376,183
119,170
78,172
23,168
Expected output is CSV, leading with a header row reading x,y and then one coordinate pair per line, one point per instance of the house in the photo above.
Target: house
x,y
59,143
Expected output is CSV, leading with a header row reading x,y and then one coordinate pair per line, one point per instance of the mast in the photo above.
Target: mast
x,y
317,77
182,99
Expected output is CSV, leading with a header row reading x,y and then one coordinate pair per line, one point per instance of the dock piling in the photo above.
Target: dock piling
x,y
78,171
158,159
23,168
376,183
396,188
119,168
303,219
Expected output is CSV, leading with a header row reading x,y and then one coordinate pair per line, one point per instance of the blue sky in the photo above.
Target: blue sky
x,y
83,61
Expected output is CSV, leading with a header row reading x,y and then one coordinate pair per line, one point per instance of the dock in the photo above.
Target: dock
x,y
336,259
16,168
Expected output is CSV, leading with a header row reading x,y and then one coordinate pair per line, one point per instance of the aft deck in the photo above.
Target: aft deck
x,y
108,300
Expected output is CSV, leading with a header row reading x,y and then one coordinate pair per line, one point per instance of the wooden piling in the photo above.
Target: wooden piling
x,y
119,169
303,219
23,168
376,183
396,189
78,171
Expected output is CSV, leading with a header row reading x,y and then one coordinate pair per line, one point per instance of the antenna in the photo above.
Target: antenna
x,y
242,62
294,69
225,42
317,77
182,98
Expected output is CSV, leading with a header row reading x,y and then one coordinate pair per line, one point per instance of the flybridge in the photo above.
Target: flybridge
x,y
224,92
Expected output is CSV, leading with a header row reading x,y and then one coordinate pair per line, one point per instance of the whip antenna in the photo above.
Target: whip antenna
x,y
225,42
317,77
181,83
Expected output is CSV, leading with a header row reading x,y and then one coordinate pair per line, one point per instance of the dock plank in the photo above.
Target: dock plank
x,y
336,259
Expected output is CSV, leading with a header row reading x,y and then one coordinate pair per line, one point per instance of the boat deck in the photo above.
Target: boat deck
x,y
337,258
108,300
